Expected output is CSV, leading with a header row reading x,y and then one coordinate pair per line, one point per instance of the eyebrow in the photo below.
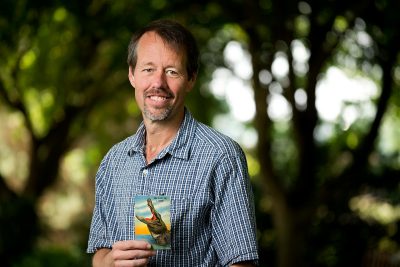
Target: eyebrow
x,y
152,64
147,64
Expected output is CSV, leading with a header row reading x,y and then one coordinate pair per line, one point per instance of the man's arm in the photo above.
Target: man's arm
x,y
234,201
99,258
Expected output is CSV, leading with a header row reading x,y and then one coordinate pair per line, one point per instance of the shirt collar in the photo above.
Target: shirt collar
x,y
138,139
180,145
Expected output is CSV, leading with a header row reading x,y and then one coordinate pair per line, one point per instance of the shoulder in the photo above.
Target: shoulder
x,y
119,151
113,161
219,142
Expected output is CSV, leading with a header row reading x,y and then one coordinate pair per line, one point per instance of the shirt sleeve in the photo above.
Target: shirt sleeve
x,y
233,217
98,231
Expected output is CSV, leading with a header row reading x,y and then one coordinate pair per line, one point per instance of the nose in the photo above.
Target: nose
x,y
159,79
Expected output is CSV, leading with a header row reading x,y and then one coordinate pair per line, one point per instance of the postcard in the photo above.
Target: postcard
x,y
152,220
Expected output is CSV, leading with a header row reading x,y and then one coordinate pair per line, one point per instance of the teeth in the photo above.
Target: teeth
x,y
157,98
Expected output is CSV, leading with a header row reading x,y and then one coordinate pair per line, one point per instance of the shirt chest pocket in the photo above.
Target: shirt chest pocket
x,y
190,220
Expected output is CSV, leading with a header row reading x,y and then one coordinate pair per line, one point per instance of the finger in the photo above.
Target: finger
x,y
117,254
138,254
134,254
131,244
129,263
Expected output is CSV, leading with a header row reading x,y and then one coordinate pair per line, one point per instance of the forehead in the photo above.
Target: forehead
x,y
153,43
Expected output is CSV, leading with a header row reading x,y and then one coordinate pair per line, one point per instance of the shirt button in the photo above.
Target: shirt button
x,y
145,172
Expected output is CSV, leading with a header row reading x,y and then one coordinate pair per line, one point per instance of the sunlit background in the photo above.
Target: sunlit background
x,y
53,74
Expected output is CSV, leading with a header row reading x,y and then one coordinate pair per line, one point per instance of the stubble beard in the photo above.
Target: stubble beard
x,y
161,115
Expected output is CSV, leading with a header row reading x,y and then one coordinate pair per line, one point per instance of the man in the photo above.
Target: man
x,y
202,171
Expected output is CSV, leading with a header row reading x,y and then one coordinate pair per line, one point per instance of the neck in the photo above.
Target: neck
x,y
159,138
159,134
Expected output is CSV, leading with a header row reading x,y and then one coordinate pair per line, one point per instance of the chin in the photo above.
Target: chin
x,y
158,114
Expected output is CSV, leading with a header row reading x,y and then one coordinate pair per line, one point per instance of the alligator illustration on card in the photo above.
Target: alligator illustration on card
x,y
152,220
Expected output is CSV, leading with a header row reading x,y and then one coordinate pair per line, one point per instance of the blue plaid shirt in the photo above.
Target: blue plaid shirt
x,y
204,173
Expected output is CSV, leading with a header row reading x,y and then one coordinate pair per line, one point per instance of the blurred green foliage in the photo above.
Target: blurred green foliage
x,y
54,256
327,191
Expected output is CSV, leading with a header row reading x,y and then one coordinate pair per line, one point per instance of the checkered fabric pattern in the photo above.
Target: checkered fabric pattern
x,y
205,174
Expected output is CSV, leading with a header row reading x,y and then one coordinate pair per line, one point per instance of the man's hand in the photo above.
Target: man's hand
x,y
124,254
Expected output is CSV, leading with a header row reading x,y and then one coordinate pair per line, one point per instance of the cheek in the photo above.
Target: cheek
x,y
138,97
140,86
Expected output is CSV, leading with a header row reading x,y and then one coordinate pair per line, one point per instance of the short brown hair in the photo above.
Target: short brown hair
x,y
175,35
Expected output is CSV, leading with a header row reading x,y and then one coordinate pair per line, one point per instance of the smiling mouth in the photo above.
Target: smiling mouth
x,y
158,98
158,95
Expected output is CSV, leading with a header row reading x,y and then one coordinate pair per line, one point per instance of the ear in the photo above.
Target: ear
x,y
131,77
191,83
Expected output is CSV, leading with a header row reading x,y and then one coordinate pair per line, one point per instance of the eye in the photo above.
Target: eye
x,y
147,70
172,73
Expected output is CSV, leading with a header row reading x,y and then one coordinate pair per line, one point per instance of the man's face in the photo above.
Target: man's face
x,y
160,79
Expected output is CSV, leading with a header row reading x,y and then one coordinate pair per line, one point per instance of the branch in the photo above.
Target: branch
x,y
16,103
365,148
5,190
269,182
46,154
336,189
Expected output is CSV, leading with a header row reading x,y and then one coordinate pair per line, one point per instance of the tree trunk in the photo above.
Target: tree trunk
x,y
18,217
19,225
290,236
